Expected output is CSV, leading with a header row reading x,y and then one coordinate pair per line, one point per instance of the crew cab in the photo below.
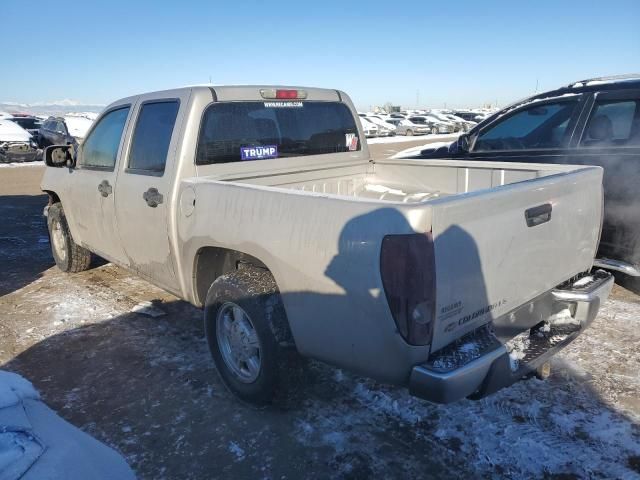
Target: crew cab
x,y
590,122
263,205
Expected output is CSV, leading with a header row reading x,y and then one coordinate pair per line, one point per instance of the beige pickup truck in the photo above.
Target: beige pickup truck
x,y
263,205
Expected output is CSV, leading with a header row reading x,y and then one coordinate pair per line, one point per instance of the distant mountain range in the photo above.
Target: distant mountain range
x,y
58,107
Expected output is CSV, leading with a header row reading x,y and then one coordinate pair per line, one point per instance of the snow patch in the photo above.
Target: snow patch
x,y
148,309
410,138
20,164
517,348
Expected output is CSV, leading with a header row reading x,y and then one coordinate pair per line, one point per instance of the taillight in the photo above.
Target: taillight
x,y
283,94
407,266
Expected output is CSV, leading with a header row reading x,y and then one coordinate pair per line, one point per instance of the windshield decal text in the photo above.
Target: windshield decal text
x,y
283,104
258,152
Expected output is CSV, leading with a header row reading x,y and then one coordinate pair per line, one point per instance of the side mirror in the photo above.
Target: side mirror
x,y
60,156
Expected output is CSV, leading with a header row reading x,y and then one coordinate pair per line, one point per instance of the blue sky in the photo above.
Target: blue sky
x,y
464,53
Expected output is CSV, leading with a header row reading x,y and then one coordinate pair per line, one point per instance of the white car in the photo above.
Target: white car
x,y
16,144
407,127
370,128
382,123
435,124
458,123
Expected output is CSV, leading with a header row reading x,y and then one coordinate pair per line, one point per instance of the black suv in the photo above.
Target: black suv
x,y
54,132
591,122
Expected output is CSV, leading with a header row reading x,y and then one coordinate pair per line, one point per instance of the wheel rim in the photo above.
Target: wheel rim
x,y
58,240
238,342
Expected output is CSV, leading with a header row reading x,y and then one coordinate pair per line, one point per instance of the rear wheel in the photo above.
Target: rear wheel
x,y
68,255
245,325
408,133
434,130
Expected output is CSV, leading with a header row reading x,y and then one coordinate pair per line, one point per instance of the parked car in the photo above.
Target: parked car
x,y
382,123
36,444
435,124
370,129
407,127
29,122
461,124
458,124
475,115
388,268
69,129
16,144
591,122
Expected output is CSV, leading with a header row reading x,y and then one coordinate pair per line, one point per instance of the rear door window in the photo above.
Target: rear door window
x,y
100,148
152,136
539,126
241,131
613,123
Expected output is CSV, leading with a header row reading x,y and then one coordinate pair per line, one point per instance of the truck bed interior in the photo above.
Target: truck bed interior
x,y
408,181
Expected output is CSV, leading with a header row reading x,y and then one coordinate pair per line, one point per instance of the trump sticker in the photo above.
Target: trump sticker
x,y
259,152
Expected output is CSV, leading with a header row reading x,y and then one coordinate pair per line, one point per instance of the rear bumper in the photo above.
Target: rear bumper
x,y
479,364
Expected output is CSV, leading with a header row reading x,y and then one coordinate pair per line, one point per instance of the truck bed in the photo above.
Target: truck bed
x,y
494,250
404,181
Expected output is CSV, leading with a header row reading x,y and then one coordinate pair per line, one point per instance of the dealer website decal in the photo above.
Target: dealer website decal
x,y
283,104
259,152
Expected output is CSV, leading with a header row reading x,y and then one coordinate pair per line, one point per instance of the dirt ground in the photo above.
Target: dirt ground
x,y
147,386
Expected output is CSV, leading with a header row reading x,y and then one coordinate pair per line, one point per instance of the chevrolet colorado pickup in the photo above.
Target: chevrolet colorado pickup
x,y
264,206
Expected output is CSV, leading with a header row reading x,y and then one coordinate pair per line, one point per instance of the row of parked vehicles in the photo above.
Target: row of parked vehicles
x,y
419,122
23,136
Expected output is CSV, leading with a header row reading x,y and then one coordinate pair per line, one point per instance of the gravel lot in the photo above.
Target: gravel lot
x,y
147,386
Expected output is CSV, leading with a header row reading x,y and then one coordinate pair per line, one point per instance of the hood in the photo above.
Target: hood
x,y
12,132
77,126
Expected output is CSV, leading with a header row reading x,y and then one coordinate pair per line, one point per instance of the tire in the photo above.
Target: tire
x,y
251,358
434,130
408,133
69,256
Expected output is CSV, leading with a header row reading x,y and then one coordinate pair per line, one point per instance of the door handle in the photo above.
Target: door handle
x,y
105,189
538,215
152,197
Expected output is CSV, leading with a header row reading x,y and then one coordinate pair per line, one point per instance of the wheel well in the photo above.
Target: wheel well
x,y
212,262
53,197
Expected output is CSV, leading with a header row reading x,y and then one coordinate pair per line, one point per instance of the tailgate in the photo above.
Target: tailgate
x,y
498,249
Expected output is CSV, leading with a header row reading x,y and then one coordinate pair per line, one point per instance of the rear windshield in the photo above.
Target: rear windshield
x,y
245,131
26,122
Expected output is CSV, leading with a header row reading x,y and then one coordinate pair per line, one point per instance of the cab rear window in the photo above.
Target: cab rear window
x,y
242,131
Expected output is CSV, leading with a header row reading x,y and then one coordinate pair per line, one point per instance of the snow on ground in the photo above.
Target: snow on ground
x,y
412,138
39,163
155,381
